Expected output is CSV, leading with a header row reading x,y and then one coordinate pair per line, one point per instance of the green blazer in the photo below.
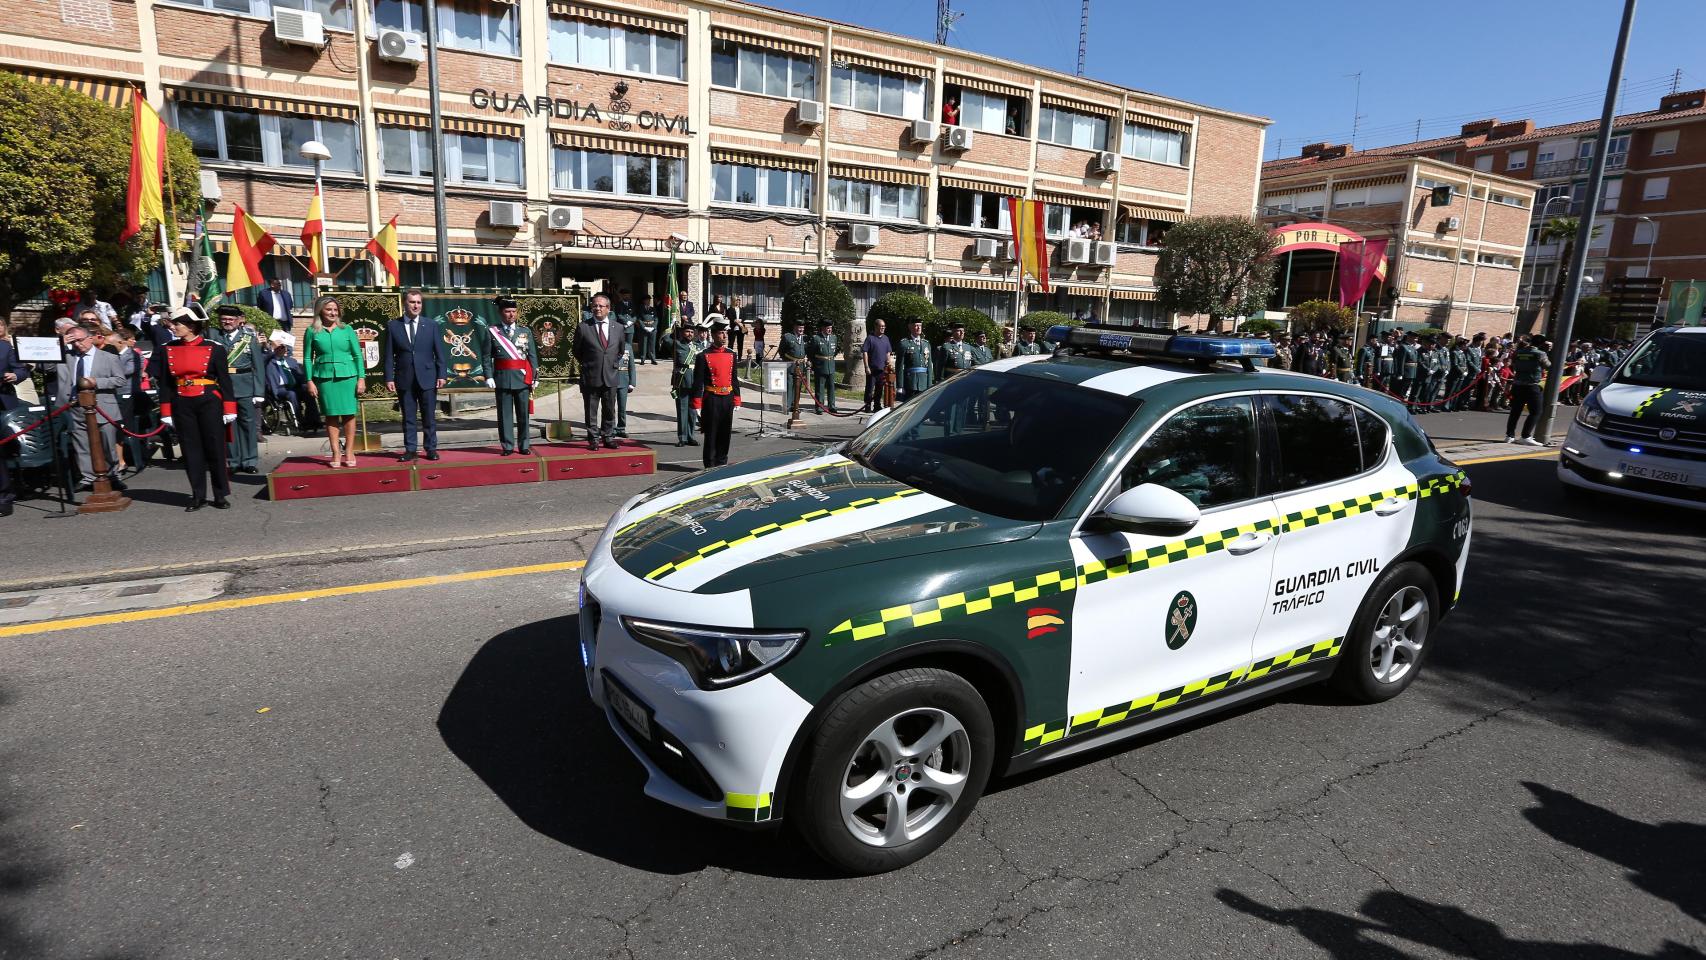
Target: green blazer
x,y
332,354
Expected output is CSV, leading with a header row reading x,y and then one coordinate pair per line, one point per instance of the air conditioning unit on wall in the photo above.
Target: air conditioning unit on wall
x,y
507,213
987,248
863,235
808,113
1077,250
302,27
1453,223
923,131
960,138
565,219
401,46
1104,254
1107,161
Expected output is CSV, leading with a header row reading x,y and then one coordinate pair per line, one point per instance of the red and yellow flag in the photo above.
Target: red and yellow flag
x,y
249,243
1030,246
383,246
147,168
314,235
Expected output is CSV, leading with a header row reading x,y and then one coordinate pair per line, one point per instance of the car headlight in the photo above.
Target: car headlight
x,y
717,657
1591,414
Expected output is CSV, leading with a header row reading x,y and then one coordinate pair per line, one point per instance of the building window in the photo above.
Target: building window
x,y
752,70
405,152
1136,313
476,158
1069,128
1368,196
1517,160
1665,142
400,15
989,112
1142,233
996,304
333,13
761,186
605,46
483,26
1508,200
1656,188
878,91
886,201
235,135
1497,260
1484,163
970,208
1060,220
1645,232
624,174
1143,142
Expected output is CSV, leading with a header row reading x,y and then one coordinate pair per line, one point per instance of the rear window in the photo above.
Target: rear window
x,y
1371,432
1318,440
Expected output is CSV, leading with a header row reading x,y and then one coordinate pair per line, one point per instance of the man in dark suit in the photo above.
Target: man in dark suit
x,y
276,301
599,346
287,382
414,371
12,373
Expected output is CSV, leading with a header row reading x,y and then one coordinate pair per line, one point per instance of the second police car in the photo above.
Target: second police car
x,y
1026,561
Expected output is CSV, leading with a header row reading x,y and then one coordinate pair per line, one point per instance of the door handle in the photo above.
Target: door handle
x,y
1391,505
1248,543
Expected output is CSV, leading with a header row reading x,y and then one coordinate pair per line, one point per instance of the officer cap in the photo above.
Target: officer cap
x,y
504,303
957,325
716,322
825,323
229,310
185,313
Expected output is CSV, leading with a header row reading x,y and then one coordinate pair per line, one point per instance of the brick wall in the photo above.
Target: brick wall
x,y
855,128
1227,155
1078,165
106,23
249,42
992,149
757,113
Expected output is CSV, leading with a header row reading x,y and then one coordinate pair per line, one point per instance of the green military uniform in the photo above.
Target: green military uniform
x,y
1281,359
1434,366
792,349
954,357
1342,363
1368,363
980,355
912,363
1457,374
248,366
1406,363
821,349
681,388
513,390
1031,349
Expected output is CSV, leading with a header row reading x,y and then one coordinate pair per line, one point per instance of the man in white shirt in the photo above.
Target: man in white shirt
x,y
276,301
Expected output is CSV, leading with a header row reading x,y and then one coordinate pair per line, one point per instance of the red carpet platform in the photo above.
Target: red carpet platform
x,y
300,478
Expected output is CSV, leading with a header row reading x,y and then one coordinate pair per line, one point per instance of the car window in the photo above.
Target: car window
x,y
1371,431
1317,440
1206,452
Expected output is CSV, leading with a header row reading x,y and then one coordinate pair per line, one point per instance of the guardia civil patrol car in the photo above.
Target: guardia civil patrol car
x,y
1025,562
1642,432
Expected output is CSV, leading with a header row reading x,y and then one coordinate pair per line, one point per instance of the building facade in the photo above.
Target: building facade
x,y
588,141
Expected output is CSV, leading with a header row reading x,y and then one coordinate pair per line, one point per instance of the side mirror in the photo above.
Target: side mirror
x,y
1599,374
881,413
1148,508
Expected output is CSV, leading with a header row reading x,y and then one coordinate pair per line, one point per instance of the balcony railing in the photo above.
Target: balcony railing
x,y
1569,168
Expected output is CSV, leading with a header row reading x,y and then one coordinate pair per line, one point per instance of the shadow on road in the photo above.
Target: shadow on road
x,y
520,719
1666,860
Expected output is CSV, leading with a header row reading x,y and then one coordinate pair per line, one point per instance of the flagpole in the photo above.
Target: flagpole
x,y
171,215
166,268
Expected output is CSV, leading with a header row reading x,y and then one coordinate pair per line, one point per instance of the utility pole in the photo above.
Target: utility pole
x,y
1083,33
1584,233
436,139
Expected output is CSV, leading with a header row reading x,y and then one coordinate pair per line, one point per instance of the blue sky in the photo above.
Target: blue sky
x,y
1442,62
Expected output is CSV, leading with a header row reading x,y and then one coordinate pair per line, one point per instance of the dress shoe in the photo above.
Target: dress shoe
x,y
5,510
406,457
525,450
507,452
432,454
193,507
610,444
222,504
118,484
592,444
85,485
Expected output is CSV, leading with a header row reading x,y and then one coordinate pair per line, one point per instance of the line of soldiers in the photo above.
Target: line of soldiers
x,y
1427,373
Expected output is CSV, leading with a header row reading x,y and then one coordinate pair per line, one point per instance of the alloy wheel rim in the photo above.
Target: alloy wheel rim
x,y
905,777
1399,634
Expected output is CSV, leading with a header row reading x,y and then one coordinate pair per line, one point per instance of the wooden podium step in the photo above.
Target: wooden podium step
x,y
300,478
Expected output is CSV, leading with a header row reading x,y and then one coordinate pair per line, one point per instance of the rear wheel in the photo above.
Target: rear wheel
x,y
1389,638
896,766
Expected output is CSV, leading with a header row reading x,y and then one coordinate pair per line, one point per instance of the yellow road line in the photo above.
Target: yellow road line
x,y
1535,455
301,554
239,603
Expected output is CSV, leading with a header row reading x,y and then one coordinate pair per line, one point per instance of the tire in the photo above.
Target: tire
x,y
1390,611
855,747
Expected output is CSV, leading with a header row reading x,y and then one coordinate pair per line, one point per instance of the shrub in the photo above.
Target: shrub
x,y
1324,315
1261,325
1041,320
817,296
1427,332
898,309
936,330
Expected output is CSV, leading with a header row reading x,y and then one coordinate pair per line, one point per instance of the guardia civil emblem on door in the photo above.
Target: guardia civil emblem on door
x,y
1181,619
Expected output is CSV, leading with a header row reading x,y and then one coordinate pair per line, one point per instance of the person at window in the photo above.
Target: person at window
x,y
333,360
275,300
196,402
1012,121
951,111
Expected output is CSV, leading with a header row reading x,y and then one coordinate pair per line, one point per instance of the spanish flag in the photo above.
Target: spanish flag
x,y
383,246
1030,247
314,235
249,243
147,168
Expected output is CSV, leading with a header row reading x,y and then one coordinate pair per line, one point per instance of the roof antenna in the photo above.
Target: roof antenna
x,y
945,20
1356,111
1083,33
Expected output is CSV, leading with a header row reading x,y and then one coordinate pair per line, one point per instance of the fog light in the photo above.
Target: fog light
x,y
1573,450
1634,449
1613,474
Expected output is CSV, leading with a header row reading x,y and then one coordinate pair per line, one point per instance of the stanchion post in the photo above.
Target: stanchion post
x,y
104,499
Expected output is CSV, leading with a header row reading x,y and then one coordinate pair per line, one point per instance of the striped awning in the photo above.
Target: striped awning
x,y
1082,106
1165,123
851,58
740,270
113,93
847,171
397,118
971,282
988,86
984,186
639,148
1379,181
1119,294
223,98
870,276
417,256
490,259
774,161
1074,199
1137,211
1296,188
452,124
798,48
335,246
627,18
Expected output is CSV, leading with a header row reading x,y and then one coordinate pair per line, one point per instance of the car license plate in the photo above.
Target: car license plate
x,y
1647,471
632,712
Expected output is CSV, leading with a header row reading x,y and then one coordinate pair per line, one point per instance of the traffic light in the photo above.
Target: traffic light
x,y
1441,196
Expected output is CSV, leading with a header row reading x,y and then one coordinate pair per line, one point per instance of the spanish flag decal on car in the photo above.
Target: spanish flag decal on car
x,y
1042,620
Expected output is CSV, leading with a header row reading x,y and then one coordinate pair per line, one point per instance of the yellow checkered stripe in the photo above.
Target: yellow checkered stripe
x,y
1315,516
722,490
1159,556
953,606
1644,404
747,807
1044,734
712,549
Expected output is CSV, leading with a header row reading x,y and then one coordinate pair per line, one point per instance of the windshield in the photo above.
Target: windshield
x,y
1675,360
1012,446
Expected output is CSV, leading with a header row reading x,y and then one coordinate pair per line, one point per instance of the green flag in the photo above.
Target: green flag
x,y
202,272
674,294
1687,297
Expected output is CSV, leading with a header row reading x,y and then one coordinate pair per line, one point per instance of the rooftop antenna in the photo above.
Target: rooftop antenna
x,y
1356,110
1676,81
1083,33
945,20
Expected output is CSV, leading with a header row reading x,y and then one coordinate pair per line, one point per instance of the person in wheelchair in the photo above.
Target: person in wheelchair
x,y
287,382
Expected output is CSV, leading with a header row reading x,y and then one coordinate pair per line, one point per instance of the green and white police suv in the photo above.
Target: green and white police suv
x,y
1642,432
1025,562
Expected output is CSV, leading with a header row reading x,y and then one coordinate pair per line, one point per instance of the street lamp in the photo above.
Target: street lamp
x,y
316,153
1534,271
1652,241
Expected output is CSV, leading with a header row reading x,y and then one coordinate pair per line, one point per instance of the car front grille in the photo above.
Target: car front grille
x,y
1647,431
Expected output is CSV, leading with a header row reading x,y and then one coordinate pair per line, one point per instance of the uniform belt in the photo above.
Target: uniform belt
x,y
195,382
917,369
720,391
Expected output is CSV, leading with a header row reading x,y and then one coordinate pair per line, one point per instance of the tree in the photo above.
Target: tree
x,y
1593,319
936,330
1565,229
898,309
1041,320
1261,325
1324,315
1218,266
64,172
819,295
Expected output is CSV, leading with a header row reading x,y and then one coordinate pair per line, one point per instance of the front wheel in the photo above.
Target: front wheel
x,y
895,767
1389,638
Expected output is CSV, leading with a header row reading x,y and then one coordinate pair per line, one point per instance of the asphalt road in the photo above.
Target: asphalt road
x,y
417,772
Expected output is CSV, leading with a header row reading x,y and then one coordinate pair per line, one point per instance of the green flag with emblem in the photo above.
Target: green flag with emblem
x,y
1687,297
674,294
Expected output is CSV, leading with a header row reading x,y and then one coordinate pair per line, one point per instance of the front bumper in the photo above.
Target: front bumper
x,y
717,753
1592,462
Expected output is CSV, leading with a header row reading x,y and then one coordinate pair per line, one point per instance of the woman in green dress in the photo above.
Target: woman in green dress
x,y
332,359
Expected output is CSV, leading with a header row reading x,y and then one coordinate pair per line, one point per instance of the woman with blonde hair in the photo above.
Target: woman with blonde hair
x,y
332,359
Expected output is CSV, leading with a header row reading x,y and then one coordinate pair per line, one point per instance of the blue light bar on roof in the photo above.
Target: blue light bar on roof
x,y
1160,344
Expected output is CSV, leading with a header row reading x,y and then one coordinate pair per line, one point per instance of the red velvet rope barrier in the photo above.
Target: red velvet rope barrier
x,y
126,431
1433,403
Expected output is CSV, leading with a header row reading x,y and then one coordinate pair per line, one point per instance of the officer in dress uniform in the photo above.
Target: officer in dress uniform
x,y
1456,374
912,363
687,349
1388,354
980,353
716,394
627,378
1406,363
793,350
821,350
247,369
1368,361
511,359
1028,345
1434,366
1281,360
1343,361
196,402
955,356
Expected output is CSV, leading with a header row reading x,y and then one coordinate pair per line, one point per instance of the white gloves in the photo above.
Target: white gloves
x,y
166,420
491,384
260,400
229,418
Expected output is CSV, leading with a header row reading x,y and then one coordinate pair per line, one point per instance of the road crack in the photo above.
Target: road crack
x,y
324,801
